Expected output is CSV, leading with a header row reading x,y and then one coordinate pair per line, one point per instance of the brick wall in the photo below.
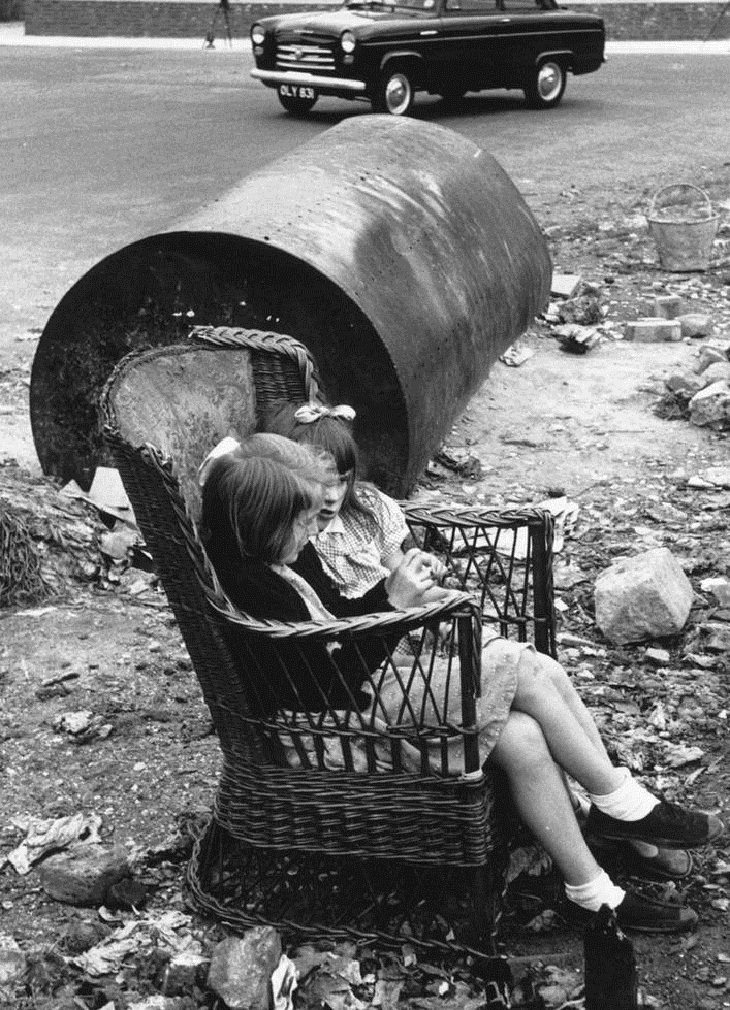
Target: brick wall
x,y
690,19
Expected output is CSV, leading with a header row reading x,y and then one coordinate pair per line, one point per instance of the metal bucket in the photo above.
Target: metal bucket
x,y
400,253
684,243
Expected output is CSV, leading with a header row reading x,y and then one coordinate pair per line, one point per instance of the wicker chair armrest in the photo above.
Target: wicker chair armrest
x,y
388,622
440,515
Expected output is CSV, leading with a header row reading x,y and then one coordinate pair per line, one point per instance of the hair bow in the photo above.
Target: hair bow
x,y
225,447
310,412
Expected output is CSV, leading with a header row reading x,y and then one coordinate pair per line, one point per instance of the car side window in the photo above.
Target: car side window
x,y
472,6
526,6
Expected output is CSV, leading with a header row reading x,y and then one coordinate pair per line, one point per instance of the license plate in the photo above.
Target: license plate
x,y
296,91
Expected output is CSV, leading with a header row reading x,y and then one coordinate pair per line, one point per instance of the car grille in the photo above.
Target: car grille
x,y
304,56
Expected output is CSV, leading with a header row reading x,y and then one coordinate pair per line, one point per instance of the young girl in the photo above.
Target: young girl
x,y
257,514
361,531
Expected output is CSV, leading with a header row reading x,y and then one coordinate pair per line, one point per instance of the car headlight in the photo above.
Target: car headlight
x,y
257,35
348,42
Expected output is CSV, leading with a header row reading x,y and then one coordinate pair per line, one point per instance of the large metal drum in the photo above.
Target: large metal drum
x,y
400,253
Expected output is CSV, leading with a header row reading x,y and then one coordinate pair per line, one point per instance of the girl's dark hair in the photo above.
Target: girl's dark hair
x,y
249,507
331,434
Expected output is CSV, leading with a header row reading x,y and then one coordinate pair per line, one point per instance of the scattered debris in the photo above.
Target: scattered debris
x,y
575,339
12,962
106,494
82,727
464,463
719,588
711,477
516,355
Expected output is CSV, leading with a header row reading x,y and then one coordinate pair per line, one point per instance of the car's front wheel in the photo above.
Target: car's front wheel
x,y
394,92
297,106
546,85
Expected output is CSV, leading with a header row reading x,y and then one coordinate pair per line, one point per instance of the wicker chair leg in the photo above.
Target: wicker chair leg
x,y
448,911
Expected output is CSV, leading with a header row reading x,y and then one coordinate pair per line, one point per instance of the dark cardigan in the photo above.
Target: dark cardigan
x,y
302,675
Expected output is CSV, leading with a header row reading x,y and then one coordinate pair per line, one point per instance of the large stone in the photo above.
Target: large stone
x,y
710,408
718,371
647,596
241,968
82,874
684,382
653,331
695,324
708,355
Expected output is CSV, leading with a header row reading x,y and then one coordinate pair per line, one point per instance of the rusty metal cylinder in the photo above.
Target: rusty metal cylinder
x,y
399,252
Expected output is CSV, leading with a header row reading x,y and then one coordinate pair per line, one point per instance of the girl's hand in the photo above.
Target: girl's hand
x,y
438,568
408,584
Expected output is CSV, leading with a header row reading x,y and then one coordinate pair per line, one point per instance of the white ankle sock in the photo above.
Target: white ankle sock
x,y
599,891
629,802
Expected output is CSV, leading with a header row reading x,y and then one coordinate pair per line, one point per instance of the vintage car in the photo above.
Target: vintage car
x,y
385,51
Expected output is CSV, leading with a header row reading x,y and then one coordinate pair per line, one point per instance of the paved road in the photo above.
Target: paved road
x,y
100,146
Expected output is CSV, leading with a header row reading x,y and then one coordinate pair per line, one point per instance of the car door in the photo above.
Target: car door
x,y
474,42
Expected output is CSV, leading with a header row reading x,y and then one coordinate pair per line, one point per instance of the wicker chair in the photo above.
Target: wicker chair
x,y
331,823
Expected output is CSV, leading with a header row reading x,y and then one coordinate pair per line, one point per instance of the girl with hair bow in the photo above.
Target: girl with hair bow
x,y
361,531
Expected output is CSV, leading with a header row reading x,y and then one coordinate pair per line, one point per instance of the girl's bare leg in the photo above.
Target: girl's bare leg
x,y
571,735
542,801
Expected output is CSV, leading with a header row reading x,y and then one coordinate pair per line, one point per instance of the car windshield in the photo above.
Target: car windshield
x,y
414,5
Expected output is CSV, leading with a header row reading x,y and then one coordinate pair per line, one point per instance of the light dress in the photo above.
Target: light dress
x,y
396,702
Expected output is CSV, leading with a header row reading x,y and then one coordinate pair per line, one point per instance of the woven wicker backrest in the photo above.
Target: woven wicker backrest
x,y
162,411
183,400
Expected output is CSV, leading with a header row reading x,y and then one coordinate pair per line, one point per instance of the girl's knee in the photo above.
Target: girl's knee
x,y
535,677
521,744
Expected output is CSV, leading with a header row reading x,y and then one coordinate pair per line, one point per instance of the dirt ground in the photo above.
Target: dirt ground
x,y
581,424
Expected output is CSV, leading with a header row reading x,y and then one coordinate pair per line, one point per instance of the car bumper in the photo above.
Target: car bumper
x,y
334,85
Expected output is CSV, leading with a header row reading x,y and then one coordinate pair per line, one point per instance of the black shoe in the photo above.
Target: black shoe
x,y
667,826
643,915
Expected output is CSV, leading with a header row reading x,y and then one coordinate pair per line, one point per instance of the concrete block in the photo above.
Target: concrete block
x,y
647,596
710,408
653,331
668,306
695,324
564,285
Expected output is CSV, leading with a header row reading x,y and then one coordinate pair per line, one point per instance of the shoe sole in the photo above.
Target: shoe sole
x,y
643,868
662,843
684,927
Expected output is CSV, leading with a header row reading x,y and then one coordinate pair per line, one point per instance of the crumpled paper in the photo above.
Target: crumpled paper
x,y
49,835
156,929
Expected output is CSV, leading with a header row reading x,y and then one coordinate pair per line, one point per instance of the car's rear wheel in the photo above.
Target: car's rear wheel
x,y
394,92
546,85
297,106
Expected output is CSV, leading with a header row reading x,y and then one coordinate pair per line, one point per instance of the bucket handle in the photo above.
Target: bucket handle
x,y
681,185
